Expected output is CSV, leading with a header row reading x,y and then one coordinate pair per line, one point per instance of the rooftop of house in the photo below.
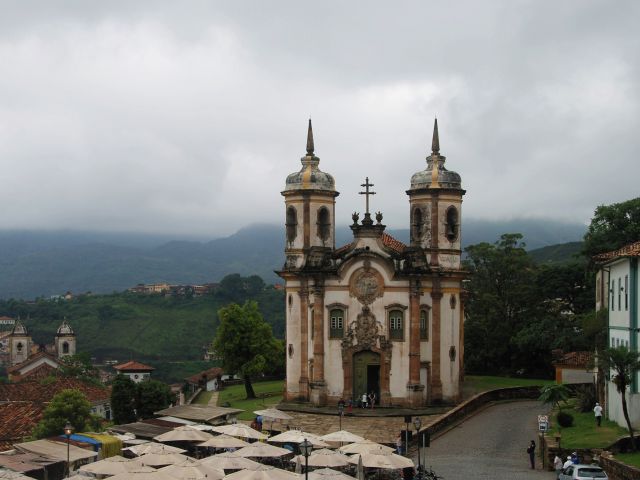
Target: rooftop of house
x,y
133,366
17,420
574,359
42,392
206,375
631,250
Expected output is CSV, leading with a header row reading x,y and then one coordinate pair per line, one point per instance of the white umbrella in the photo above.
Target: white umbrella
x,y
342,436
381,460
144,473
153,447
273,414
224,441
162,459
328,474
183,434
264,472
323,458
262,450
240,430
360,469
112,466
364,447
193,470
297,436
230,461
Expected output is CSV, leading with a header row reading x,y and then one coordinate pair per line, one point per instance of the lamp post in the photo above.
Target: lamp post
x,y
68,430
418,423
305,448
340,412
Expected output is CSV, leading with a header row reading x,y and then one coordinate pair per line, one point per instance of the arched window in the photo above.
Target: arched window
x,y
396,325
292,224
451,227
424,324
65,347
418,224
336,323
324,224
19,347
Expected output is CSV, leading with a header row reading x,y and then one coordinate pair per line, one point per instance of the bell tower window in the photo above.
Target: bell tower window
x,y
324,224
65,347
451,227
292,224
418,224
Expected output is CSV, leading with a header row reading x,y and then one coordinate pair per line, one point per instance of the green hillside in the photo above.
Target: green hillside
x,y
560,253
145,327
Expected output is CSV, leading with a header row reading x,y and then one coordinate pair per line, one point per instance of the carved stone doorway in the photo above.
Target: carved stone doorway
x,y
366,374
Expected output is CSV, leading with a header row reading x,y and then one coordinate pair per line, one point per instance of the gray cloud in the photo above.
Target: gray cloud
x,y
156,117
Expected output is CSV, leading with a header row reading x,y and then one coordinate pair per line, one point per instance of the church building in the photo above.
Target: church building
x,y
375,316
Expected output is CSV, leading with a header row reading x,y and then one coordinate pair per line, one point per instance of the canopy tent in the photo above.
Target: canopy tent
x,y
145,473
328,474
323,458
262,450
55,450
154,447
201,413
112,466
162,459
273,414
193,470
381,460
342,436
184,434
224,441
240,430
364,447
230,461
298,436
264,472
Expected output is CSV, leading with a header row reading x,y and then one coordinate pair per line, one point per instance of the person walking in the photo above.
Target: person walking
x,y
557,465
364,400
399,444
531,450
568,462
597,410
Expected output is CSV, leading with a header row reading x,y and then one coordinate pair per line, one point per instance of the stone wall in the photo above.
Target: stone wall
x,y
618,471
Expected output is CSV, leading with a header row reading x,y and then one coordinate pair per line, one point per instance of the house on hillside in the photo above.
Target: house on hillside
x,y
617,291
208,380
136,371
574,367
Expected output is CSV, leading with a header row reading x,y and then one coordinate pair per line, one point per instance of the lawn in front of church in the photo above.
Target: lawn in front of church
x,y
269,394
474,384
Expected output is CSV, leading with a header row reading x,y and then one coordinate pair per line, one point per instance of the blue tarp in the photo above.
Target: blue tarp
x,y
81,438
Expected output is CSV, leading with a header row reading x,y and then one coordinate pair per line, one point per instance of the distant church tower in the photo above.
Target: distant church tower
x,y
375,316
65,341
19,344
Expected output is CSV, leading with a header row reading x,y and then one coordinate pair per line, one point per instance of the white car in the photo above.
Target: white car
x,y
582,472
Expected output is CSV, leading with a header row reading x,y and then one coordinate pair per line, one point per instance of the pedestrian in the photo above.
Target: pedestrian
x,y
350,407
574,458
597,410
364,400
399,444
557,465
567,463
531,450
372,399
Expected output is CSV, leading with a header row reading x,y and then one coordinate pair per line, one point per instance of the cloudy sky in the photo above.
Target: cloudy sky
x,y
186,117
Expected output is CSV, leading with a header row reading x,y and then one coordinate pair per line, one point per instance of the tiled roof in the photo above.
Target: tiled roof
x,y
343,249
41,392
209,374
133,366
575,359
631,250
31,359
392,243
38,373
17,420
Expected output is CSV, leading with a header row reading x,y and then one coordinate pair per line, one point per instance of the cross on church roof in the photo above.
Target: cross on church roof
x,y
366,184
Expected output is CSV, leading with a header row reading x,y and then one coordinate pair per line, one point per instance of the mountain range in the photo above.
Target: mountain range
x,y
45,263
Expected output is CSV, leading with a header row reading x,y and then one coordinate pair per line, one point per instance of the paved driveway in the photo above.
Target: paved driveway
x,y
490,445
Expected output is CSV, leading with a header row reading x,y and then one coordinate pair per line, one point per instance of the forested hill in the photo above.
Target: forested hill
x,y
34,264
145,327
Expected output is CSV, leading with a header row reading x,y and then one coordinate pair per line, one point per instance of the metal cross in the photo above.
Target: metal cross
x,y
366,184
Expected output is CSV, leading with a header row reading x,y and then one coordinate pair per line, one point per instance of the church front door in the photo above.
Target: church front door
x,y
366,374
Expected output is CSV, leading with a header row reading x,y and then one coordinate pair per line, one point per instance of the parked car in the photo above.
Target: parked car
x,y
582,472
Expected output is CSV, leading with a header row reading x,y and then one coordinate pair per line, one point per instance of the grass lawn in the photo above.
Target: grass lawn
x,y
268,393
584,433
202,398
629,458
474,384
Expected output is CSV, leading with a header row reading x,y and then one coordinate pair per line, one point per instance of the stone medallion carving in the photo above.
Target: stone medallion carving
x,y
366,284
364,332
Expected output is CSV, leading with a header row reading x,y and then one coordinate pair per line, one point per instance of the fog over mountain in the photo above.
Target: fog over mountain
x,y
36,264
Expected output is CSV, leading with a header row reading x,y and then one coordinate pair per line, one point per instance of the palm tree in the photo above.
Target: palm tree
x,y
554,394
623,364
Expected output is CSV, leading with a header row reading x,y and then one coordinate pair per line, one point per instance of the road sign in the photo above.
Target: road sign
x,y
543,423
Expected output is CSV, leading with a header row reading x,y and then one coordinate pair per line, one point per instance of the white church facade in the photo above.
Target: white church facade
x,y
375,316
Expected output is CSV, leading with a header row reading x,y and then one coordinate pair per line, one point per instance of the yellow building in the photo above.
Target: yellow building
x,y
376,316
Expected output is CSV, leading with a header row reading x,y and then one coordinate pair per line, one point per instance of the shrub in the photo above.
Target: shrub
x,y
565,419
585,398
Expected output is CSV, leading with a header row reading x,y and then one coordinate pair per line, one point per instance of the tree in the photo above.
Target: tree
x,y
245,342
623,364
79,366
612,227
554,395
151,396
123,400
67,406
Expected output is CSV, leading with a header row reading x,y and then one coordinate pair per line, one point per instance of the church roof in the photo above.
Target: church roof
x,y
310,177
33,359
65,328
393,243
435,175
133,366
19,328
631,250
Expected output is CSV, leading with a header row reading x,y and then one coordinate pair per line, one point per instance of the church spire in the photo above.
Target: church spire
x,y
310,146
435,143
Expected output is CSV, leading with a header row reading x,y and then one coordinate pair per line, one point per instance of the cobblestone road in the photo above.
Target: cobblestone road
x,y
490,445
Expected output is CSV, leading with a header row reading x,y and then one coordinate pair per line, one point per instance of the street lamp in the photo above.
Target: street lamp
x,y
418,423
68,430
340,412
305,448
